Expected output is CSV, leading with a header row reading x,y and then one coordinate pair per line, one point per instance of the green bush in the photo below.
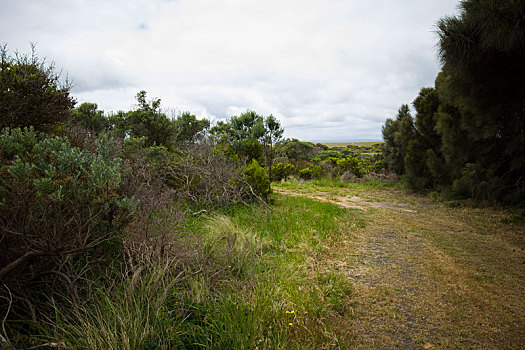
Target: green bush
x,y
353,164
61,214
317,171
377,166
305,174
282,171
257,177
31,93
329,154
313,171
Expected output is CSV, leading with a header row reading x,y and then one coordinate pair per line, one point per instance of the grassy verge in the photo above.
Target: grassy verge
x,y
335,184
252,278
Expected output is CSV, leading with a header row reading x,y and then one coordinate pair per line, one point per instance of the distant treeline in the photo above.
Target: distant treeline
x,y
468,135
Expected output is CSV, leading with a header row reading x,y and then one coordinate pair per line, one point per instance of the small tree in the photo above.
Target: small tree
x,y
31,93
397,135
188,128
90,117
273,134
145,121
243,133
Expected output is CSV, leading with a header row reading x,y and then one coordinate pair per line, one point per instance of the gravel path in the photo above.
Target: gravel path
x,y
427,276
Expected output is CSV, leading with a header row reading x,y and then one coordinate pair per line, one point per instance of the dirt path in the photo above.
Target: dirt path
x,y
430,277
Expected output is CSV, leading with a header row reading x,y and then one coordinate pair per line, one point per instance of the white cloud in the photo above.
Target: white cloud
x,y
333,69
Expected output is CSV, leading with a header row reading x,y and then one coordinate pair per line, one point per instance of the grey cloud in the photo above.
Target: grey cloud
x,y
328,70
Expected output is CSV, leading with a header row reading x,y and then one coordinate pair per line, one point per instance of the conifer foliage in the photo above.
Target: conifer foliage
x,y
469,131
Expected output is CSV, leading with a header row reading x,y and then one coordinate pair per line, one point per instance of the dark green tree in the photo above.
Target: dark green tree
x,y
31,92
243,134
397,135
89,116
426,105
188,128
146,121
483,56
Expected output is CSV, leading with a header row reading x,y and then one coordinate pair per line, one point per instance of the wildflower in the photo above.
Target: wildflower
x,y
290,324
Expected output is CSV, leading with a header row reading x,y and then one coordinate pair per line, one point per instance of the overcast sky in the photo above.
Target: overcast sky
x,y
330,70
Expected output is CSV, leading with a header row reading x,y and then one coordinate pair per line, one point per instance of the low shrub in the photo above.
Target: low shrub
x,y
282,171
305,174
61,215
258,181
313,171
353,164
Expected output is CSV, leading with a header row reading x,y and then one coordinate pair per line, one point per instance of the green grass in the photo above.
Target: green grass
x,y
252,280
336,184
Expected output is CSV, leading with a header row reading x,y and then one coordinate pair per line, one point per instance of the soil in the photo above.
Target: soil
x,y
426,276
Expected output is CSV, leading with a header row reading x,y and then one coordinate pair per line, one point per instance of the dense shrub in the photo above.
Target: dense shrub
x,y
282,171
353,164
88,116
313,171
258,180
31,93
377,166
61,215
295,150
467,138
305,174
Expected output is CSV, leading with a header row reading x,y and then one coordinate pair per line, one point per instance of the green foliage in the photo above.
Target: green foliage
x,y
248,125
248,284
282,171
331,153
295,150
417,174
273,134
148,121
313,171
377,166
474,182
482,53
251,149
317,171
305,174
132,314
88,116
352,164
397,135
468,131
189,128
255,309
31,93
60,211
250,135
258,179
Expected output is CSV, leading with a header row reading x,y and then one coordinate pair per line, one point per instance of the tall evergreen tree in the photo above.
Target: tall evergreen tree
x,y
397,135
483,56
